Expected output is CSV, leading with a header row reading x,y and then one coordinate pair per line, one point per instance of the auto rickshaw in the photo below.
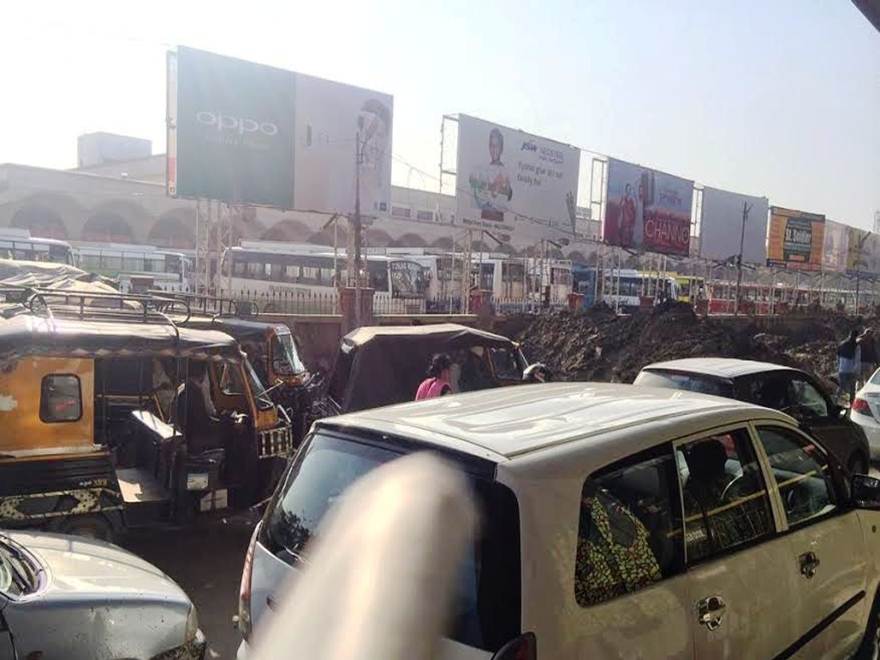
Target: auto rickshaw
x,y
382,365
116,417
273,351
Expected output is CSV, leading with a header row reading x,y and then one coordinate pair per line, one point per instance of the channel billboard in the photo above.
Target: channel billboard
x,y
721,225
514,184
247,133
835,249
647,209
795,239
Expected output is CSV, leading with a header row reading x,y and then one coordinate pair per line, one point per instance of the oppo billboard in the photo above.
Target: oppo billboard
x,y
247,133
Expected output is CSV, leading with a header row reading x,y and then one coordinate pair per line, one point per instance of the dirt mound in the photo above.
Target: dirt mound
x,y
604,347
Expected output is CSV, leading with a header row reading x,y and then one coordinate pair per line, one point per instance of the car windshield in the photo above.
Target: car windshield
x,y
285,356
681,381
486,611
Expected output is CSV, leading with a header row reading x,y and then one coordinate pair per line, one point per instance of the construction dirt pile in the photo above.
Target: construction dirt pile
x,y
599,346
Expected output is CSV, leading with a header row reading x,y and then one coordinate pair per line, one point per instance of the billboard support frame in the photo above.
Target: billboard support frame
x,y
444,172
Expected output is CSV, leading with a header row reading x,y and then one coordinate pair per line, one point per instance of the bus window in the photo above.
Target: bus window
x,y
377,272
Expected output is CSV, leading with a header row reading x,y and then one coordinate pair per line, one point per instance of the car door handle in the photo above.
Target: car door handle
x,y
710,611
809,562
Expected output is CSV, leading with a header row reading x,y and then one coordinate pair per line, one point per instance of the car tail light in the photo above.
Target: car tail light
x,y
524,647
245,625
861,406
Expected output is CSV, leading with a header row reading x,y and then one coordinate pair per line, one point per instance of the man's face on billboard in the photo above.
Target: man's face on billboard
x,y
496,146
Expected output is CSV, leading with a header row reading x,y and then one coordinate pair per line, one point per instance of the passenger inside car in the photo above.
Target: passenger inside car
x,y
725,500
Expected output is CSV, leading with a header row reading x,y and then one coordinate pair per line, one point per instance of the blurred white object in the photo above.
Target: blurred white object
x,y
364,595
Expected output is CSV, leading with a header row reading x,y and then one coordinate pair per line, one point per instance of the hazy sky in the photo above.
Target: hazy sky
x,y
770,97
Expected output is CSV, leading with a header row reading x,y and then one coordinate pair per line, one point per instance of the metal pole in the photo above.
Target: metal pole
x,y
739,257
357,229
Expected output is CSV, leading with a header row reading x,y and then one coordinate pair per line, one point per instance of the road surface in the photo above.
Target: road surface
x,y
206,560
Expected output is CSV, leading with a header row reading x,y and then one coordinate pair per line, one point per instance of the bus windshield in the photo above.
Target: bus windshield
x,y
407,279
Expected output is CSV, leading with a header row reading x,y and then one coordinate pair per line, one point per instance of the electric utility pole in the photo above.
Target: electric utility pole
x,y
739,257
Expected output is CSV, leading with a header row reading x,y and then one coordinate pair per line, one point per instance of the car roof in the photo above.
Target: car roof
x,y
718,367
506,422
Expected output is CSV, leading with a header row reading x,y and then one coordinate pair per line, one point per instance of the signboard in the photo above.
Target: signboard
x,y
247,133
795,239
330,117
863,251
835,247
647,210
721,226
515,184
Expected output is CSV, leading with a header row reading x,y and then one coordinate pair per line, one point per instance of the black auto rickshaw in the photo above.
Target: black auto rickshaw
x,y
114,416
382,365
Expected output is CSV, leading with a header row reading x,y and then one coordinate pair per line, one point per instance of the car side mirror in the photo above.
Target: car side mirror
x,y
865,491
536,373
524,647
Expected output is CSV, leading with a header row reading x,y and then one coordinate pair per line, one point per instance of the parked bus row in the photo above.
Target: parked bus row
x,y
420,280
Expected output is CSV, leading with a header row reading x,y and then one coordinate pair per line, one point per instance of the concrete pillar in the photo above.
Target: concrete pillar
x,y
347,308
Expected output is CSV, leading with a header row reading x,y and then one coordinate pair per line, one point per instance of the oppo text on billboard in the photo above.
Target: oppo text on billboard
x,y
240,125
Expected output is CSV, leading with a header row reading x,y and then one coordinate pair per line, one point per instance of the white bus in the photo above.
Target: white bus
x,y
292,280
138,268
19,245
627,290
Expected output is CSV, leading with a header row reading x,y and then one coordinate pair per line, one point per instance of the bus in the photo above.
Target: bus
x,y
627,290
19,245
137,268
293,280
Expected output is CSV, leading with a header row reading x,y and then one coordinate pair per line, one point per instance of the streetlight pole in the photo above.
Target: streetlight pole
x,y
739,258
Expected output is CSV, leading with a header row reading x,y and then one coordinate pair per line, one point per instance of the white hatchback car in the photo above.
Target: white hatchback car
x,y
617,521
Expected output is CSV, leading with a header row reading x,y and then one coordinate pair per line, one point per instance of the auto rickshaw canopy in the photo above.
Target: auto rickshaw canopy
x,y
382,365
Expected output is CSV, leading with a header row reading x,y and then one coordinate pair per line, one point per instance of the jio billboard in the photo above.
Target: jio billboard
x,y
519,186
647,209
247,133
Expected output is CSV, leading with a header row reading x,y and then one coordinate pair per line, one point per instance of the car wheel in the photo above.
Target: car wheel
x,y
91,526
857,465
870,647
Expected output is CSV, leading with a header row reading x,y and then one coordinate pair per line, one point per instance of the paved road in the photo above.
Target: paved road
x,y
205,560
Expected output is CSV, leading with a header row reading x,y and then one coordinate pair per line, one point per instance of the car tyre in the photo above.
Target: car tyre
x,y
870,647
89,526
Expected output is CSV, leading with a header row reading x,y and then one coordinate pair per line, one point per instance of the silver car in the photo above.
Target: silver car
x,y
80,599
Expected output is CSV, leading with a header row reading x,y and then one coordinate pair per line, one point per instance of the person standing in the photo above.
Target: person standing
x,y
848,364
867,354
437,382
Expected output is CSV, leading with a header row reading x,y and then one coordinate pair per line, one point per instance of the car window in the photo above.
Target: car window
x,y
681,381
800,470
806,399
630,532
726,503
769,390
